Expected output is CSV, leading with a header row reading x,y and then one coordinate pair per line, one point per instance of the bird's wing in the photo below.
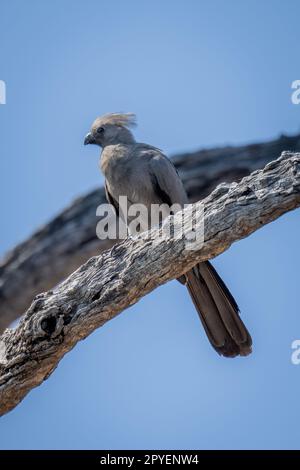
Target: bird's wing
x,y
111,200
166,181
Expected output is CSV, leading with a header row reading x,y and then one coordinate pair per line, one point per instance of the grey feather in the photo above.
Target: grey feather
x,y
146,176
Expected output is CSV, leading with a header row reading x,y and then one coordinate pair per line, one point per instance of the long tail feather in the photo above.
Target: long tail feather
x,y
218,311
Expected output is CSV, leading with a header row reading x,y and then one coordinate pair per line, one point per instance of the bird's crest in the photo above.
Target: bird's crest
x,y
116,119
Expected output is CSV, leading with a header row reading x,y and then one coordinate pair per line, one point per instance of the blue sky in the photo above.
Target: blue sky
x,y
197,74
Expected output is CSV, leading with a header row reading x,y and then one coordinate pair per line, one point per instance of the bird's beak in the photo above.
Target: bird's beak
x,y
89,139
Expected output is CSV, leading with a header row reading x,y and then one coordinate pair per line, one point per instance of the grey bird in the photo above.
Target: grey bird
x,y
146,176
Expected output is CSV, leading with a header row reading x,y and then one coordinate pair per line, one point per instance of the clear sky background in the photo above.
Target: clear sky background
x,y
197,74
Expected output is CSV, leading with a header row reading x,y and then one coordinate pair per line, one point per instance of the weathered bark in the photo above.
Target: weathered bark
x,y
61,246
107,284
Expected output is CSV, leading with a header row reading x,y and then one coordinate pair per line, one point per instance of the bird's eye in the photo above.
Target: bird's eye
x,y
100,130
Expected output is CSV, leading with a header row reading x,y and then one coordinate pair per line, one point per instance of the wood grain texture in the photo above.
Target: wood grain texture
x,y
107,284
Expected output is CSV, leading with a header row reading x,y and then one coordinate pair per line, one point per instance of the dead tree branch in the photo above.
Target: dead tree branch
x,y
61,246
108,284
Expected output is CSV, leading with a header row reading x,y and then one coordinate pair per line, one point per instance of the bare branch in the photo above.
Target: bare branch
x,y
61,246
108,284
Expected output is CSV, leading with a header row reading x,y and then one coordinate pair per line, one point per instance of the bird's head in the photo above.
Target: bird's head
x,y
111,129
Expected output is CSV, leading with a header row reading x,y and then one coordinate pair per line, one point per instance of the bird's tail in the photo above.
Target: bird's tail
x,y
218,311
